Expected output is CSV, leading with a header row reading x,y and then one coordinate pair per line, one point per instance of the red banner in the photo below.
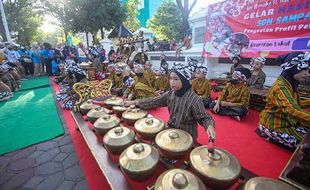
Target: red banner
x,y
252,28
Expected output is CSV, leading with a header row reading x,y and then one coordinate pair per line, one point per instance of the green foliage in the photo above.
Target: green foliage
x,y
23,19
41,37
132,22
167,22
92,15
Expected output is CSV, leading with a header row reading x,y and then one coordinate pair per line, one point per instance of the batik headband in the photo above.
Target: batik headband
x,y
302,61
202,69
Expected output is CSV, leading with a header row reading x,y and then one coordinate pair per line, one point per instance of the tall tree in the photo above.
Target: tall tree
x,y
59,10
186,9
93,15
167,22
132,22
23,19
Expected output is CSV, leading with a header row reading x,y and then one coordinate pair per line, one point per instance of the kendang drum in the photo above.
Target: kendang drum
x,y
113,101
105,123
263,183
133,114
95,113
139,161
175,179
118,139
149,127
173,143
87,106
217,168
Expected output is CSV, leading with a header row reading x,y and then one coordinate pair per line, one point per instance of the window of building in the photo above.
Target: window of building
x,y
199,35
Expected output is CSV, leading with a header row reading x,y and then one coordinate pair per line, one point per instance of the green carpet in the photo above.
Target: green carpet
x,y
35,82
29,117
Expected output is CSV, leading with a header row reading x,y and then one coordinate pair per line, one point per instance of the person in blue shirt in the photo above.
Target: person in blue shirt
x,y
55,68
26,61
44,54
35,53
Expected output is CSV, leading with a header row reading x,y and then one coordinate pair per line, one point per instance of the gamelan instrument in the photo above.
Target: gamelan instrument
x,y
175,179
118,139
139,161
119,110
105,123
173,143
217,168
133,114
263,183
87,106
113,101
95,113
149,127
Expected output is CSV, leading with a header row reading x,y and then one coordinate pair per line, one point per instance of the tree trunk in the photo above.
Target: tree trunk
x,y
102,33
185,10
186,26
66,36
87,41
94,38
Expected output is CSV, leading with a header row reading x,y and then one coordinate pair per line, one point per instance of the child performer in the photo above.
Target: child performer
x,y
140,77
137,89
201,85
149,74
258,77
162,82
234,98
283,121
185,107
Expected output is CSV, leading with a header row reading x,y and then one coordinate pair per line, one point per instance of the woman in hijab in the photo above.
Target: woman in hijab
x,y
283,121
185,107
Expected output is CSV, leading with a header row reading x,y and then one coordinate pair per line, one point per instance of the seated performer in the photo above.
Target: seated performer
x,y
234,98
162,82
201,85
149,74
258,77
185,107
140,77
236,64
111,72
137,89
118,87
283,121
5,91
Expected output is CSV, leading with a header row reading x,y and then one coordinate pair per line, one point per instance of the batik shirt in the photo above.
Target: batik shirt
x,y
201,88
143,80
2,56
239,95
282,112
162,83
112,77
118,82
140,90
185,112
257,81
150,76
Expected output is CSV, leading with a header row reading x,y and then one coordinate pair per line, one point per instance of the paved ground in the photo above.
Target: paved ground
x,y
48,165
